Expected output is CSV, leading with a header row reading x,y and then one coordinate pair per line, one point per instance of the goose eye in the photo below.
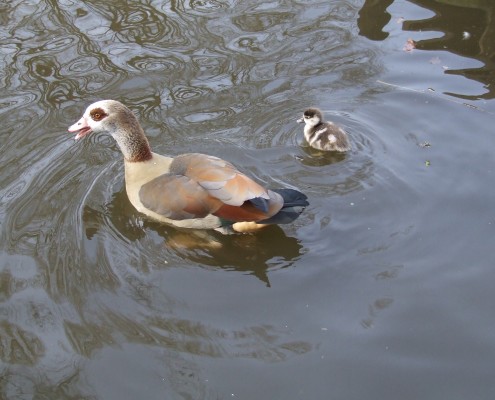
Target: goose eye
x,y
97,114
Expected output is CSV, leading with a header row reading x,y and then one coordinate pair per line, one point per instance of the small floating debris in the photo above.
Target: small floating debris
x,y
427,163
466,35
425,144
410,45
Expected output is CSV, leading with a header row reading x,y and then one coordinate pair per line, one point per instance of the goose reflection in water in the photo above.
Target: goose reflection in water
x,y
253,254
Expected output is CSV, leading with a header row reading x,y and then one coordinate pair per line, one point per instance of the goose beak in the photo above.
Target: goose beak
x,y
81,127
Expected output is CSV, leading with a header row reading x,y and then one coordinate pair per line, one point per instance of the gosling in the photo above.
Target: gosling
x,y
323,135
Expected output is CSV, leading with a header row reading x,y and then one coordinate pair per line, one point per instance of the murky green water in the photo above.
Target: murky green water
x,y
382,289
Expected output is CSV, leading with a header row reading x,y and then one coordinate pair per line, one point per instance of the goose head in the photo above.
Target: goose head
x,y
102,116
112,117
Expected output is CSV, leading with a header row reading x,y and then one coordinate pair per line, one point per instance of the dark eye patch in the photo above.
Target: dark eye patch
x,y
97,114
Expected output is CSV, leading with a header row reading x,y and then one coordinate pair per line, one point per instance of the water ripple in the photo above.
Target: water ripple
x,y
81,65
260,22
19,346
206,6
57,44
155,63
19,100
139,23
183,93
208,116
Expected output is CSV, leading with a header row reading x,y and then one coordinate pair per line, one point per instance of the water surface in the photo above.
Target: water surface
x,y
383,285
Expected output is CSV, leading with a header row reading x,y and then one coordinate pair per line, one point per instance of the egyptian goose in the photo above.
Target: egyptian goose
x,y
191,190
323,135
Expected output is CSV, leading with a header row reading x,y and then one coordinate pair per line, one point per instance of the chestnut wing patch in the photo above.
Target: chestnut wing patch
x,y
177,197
198,185
220,178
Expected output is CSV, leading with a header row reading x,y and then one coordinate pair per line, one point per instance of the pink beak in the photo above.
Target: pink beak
x,y
81,127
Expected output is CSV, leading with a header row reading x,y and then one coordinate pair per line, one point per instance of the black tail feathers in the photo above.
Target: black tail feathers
x,y
294,204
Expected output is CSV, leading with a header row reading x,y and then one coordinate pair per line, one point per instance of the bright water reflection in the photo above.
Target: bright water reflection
x,y
383,280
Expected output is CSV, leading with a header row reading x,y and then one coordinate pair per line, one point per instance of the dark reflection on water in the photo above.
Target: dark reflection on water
x,y
467,27
373,17
468,30
19,346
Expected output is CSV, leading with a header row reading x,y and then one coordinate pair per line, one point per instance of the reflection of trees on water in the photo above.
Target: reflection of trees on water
x,y
453,18
373,16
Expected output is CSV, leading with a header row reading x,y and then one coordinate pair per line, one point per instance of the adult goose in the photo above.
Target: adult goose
x,y
323,135
191,190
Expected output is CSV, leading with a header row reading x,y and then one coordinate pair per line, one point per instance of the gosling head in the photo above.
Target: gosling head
x,y
311,117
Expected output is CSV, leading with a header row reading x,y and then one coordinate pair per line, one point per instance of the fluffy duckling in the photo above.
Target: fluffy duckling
x,y
191,190
323,135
